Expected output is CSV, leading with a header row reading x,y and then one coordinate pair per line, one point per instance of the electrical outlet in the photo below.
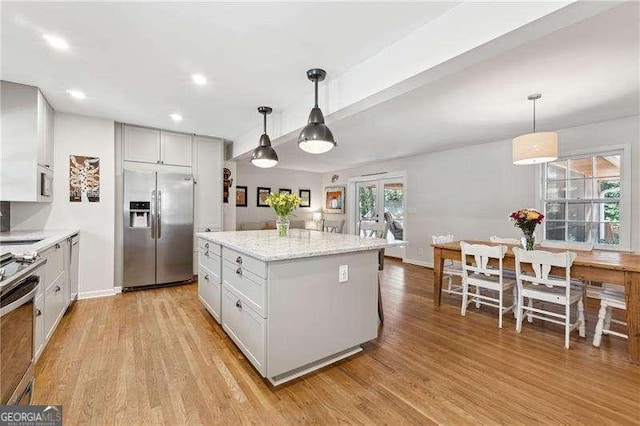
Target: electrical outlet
x,y
343,274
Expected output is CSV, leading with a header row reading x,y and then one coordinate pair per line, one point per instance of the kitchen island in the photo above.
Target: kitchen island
x,y
291,304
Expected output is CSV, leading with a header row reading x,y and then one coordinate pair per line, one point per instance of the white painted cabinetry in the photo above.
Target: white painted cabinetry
x,y
209,280
27,123
209,183
53,293
175,149
146,145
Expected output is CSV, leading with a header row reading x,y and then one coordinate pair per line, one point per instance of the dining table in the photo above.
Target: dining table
x,y
603,266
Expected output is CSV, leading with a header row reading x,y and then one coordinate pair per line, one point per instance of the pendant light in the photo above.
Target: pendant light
x,y
264,156
315,137
536,147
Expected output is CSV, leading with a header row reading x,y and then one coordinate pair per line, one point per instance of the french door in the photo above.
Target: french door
x,y
382,200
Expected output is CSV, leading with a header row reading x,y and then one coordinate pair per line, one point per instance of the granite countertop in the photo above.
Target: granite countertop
x,y
48,238
299,243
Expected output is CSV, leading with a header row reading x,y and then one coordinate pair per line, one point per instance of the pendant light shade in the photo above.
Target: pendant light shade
x,y
315,137
536,147
264,156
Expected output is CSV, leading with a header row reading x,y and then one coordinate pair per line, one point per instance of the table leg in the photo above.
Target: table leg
x,y
438,264
632,299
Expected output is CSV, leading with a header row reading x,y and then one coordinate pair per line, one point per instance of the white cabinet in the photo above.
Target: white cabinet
x,y
175,149
38,328
209,282
146,145
209,183
55,285
141,144
27,122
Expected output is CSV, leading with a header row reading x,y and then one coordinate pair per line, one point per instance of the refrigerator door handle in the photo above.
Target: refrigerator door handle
x,y
158,214
153,215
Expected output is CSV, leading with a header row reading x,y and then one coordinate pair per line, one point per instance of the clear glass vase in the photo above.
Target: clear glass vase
x,y
528,240
282,225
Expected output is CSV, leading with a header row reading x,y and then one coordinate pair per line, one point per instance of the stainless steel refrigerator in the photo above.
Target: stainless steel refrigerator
x,y
158,228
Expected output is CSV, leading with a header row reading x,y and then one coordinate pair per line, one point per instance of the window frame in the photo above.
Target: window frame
x,y
625,191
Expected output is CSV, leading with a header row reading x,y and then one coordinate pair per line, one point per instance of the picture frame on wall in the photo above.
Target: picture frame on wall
x,y
284,191
333,201
241,196
305,195
261,196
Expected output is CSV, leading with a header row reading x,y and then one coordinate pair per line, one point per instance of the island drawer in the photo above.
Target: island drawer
x,y
248,263
206,245
245,327
210,291
249,285
209,260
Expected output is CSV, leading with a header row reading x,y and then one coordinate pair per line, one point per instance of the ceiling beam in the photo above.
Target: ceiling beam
x,y
468,34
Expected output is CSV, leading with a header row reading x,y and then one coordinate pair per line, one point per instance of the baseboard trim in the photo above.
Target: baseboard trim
x,y
95,294
418,262
117,289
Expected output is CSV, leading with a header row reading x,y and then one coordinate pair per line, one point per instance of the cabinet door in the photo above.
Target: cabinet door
x,y
176,149
48,136
209,183
54,305
141,144
38,328
41,130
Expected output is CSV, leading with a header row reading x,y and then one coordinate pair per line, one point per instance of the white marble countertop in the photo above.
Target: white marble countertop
x,y
299,243
47,239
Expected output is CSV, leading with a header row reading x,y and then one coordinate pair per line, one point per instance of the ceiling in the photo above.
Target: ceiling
x,y
587,72
134,60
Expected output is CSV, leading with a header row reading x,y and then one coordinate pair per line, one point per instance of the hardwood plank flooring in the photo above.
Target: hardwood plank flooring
x,y
157,357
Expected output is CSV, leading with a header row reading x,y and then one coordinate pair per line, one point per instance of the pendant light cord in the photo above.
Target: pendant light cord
x,y
264,116
534,116
315,80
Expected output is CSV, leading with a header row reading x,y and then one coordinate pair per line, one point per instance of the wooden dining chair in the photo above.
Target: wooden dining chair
x,y
477,272
593,290
376,230
509,273
540,286
333,226
610,298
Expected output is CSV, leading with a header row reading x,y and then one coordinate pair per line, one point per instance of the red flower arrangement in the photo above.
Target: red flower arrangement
x,y
527,220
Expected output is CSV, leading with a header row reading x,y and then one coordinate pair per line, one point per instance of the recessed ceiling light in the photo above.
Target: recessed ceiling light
x,y
175,117
76,94
199,79
55,41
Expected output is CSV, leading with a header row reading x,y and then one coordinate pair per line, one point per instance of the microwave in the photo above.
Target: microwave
x,y
46,184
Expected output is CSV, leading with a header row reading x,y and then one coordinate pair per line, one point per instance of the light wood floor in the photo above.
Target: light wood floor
x,y
156,356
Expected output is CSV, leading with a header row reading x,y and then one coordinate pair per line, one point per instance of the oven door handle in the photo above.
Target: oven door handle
x,y
16,304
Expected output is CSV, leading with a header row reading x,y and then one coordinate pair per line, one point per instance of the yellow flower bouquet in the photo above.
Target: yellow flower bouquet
x,y
283,204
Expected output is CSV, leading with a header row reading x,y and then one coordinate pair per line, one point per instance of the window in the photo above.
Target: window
x,y
584,200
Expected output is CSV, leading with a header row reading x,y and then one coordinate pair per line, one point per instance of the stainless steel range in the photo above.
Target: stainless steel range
x,y
19,278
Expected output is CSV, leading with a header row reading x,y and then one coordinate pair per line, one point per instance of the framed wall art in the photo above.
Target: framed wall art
x,y
284,191
333,200
261,195
305,195
241,196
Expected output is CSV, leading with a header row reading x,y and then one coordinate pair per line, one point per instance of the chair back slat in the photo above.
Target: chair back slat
x,y
500,240
541,262
567,245
373,229
442,239
481,255
333,226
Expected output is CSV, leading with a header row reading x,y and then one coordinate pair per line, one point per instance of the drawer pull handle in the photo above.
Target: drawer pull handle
x,y
206,277
239,304
57,289
206,253
239,260
206,245
38,312
57,246
239,271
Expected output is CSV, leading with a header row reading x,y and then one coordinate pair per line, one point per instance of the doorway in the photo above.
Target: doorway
x,y
382,200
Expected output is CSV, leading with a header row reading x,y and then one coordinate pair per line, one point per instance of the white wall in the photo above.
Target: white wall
x,y
470,191
275,178
79,135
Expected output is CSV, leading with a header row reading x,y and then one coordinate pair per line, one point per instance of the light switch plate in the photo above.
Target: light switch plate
x,y
343,274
